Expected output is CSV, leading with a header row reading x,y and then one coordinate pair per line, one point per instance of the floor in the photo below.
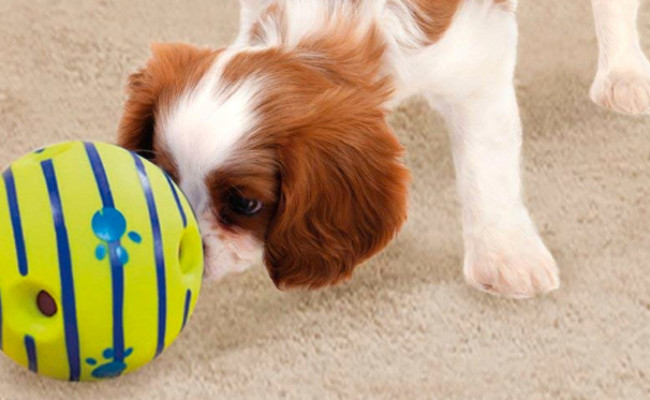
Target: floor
x,y
406,326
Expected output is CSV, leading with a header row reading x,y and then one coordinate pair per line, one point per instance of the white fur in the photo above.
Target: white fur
x,y
623,79
467,75
200,133
226,252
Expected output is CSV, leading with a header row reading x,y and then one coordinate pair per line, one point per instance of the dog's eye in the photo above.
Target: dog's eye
x,y
242,205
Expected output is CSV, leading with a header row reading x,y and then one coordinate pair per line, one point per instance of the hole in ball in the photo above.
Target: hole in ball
x,y
46,304
190,250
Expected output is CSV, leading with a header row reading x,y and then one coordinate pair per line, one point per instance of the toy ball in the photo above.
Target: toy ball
x,y
101,261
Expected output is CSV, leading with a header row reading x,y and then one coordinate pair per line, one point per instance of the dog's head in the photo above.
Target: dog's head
x,y
283,156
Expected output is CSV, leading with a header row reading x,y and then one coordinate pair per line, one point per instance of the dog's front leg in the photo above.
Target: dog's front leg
x,y
504,254
623,79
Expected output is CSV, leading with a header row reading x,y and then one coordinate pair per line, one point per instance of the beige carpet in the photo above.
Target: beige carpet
x,y
406,326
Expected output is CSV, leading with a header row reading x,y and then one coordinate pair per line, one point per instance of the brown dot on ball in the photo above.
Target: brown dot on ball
x,y
46,303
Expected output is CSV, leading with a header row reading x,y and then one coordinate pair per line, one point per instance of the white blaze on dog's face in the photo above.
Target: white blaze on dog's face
x,y
199,134
278,161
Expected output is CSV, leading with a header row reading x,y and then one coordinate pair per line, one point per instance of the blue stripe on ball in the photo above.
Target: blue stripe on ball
x,y
30,348
178,201
14,210
158,253
100,175
65,270
117,267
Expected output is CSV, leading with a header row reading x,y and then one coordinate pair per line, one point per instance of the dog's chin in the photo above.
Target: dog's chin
x,y
224,258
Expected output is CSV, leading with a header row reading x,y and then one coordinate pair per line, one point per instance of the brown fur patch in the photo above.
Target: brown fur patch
x,y
343,192
342,187
433,16
339,56
172,69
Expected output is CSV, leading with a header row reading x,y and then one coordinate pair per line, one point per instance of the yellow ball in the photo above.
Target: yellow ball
x,y
101,261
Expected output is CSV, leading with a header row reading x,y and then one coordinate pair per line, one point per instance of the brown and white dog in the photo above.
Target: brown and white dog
x,y
281,144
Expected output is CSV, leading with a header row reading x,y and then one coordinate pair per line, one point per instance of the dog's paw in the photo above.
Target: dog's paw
x,y
516,265
623,92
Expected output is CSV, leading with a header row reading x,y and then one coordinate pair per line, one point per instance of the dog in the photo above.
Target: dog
x,y
281,144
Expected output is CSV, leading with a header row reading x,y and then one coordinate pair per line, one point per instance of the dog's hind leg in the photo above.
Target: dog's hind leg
x,y
622,83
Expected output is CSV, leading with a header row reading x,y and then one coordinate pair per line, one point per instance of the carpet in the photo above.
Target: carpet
x,y
406,326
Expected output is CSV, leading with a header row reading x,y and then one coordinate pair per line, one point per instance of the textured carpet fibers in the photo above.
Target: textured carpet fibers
x,y
406,326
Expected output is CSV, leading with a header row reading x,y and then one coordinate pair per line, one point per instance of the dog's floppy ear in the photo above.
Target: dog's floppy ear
x,y
172,69
343,196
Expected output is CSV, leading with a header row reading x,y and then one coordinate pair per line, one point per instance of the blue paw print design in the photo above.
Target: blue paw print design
x,y
109,225
112,368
